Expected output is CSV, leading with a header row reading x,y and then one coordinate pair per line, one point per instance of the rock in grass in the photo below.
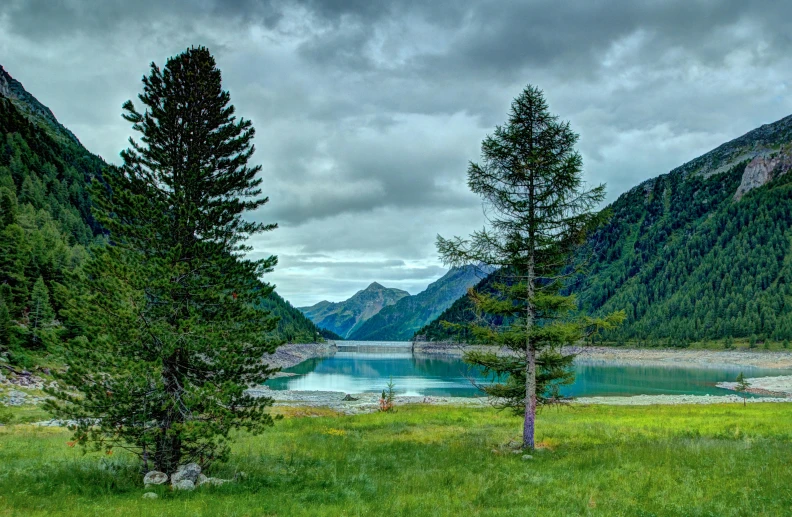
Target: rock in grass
x,y
150,495
527,457
184,484
189,472
201,480
155,477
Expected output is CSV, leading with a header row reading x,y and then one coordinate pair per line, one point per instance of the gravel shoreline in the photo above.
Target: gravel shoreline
x,y
641,356
779,388
368,402
293,354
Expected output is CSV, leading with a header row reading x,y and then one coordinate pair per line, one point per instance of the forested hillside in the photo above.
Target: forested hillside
x,y
46,227
398,322
701,253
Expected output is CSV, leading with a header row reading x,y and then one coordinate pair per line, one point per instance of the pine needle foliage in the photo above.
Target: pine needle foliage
x,y
741,386
538,212
166,330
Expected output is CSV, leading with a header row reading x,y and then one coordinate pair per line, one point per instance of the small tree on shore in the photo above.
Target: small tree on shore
x,y
538,212
742,386
166,334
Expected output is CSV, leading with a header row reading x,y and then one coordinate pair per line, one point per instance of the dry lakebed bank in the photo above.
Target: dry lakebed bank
x,y
775,389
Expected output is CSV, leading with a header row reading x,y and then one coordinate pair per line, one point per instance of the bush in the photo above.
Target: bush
x,y
5,415
386,400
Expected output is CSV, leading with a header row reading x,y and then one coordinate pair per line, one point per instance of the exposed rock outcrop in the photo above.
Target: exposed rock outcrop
x,y
761,170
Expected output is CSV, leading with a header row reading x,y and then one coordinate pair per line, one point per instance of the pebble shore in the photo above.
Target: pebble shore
x,y
641,356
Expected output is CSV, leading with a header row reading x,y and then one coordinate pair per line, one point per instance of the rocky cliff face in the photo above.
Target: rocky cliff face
x,y
763,169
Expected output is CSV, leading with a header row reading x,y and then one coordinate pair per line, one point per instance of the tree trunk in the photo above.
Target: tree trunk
x,y
530,397
529,424
169,451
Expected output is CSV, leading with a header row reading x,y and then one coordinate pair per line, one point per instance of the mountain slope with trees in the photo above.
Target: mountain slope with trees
x,y
699,254
47,229
398,322
344,318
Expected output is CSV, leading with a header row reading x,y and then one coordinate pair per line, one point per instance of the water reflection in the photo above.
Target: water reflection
x,y
431,375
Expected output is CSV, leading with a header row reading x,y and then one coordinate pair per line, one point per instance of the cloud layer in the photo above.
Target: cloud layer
x,y
367,113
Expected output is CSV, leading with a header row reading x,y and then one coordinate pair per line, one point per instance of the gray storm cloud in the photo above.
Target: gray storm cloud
x,y
367,113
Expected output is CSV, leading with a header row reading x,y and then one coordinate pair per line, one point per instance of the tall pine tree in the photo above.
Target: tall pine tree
x,y
40,315
538,212
167,332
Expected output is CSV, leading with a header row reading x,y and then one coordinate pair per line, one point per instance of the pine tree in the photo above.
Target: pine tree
x,y
169,335
8,207
538,212
14,255
5,322
742,386
40,315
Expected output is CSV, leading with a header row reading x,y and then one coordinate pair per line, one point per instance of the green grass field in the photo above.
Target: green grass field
x,y
716,460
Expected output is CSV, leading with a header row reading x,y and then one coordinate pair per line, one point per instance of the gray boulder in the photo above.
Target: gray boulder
x,y
149,495
184,484
155,477
189,472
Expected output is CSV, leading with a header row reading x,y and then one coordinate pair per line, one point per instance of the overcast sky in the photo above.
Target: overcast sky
x,y
367,112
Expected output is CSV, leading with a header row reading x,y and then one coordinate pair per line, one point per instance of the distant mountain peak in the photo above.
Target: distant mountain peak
x,y
399,321
344,317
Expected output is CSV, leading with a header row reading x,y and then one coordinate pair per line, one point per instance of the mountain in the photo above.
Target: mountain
x,y
293,326
701,253
41,115
46,226
345,317
398,322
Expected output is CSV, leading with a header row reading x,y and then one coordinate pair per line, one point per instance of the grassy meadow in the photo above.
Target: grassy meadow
x,y
717,460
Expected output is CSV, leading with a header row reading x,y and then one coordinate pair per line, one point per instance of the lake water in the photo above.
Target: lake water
x,y
367,366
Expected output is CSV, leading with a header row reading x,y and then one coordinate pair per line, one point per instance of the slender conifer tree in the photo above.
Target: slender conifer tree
x,y
167,334
538,211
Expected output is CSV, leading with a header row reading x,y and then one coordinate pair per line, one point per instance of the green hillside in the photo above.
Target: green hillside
x,y
46,227
698,254
398,322
344,318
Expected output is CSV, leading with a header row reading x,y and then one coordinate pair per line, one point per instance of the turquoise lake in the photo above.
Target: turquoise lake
x,y
358,370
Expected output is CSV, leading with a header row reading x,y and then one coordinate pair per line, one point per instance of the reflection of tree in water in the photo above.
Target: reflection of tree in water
x,y
426,373
444,366
609,379
372,365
